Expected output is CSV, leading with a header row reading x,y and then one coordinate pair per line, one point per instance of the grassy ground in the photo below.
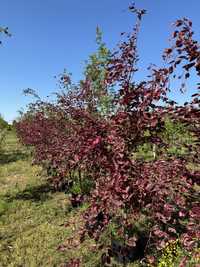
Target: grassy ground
x,y
31,214
35,220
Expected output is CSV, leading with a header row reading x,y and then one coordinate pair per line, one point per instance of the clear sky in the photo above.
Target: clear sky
x,y
50,35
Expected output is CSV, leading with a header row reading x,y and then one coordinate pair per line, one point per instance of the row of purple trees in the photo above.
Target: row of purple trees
x,y
94,128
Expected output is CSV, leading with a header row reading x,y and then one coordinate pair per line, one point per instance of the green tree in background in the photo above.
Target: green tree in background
x,y
95,71
3,130
176,135
3,123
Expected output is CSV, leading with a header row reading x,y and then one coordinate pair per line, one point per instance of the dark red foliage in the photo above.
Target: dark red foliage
x,y
73,263
76,200
71,135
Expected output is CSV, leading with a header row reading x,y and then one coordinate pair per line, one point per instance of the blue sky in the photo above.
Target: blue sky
x,y
50,35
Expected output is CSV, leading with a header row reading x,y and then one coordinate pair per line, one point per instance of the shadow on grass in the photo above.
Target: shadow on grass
x,y
39,193
6,158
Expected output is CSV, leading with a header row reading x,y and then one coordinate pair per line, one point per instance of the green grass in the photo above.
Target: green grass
x,y
35,220
31,214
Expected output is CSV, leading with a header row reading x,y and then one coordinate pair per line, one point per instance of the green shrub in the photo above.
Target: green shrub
x,y
176,135
173,255
82,186
170,254
3,123
2,138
